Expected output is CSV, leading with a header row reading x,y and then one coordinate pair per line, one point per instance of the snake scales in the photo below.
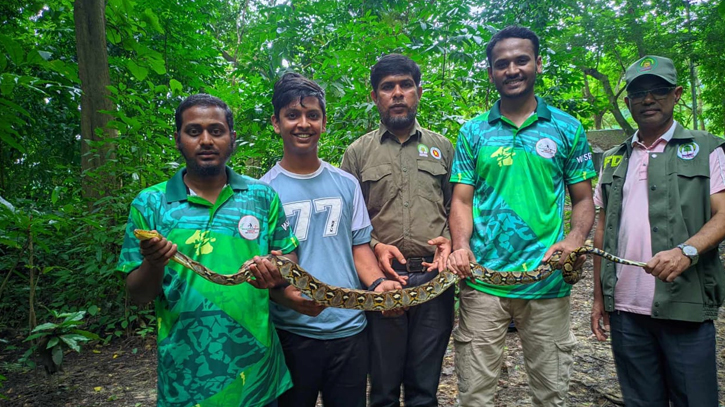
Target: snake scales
x,y
339,297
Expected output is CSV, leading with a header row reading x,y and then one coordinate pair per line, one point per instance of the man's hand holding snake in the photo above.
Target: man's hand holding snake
x,y
566,246
459,262
157,251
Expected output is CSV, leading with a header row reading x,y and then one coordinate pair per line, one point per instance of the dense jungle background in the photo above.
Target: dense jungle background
x,y
88,89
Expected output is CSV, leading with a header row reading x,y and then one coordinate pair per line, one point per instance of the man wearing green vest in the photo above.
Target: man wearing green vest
x,y
512,169
217,346
662,202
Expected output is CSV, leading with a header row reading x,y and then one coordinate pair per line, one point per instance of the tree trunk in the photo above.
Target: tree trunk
x,y
598,114
613,104
90,24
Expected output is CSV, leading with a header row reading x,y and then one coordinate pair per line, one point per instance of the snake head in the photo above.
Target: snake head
x,y
146,234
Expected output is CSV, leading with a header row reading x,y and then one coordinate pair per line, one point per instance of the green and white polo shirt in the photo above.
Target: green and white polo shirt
x,y
216,344
519,177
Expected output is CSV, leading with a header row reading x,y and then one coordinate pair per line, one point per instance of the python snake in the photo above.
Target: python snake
x,y
339,297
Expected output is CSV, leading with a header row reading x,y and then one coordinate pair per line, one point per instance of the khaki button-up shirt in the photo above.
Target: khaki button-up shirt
x,y
406,186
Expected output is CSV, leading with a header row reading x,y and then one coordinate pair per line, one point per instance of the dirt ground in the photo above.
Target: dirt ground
x,y
124,373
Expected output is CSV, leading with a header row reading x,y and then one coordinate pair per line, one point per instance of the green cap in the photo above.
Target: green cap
x,y
652,65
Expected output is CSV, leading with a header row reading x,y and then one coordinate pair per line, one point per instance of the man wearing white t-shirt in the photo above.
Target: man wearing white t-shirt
x,y
325,349
662,202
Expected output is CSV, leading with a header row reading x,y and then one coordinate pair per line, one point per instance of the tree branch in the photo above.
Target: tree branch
x,y
613,104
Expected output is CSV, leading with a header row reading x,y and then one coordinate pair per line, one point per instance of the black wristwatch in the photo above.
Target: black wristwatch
x,y
690,252
376,283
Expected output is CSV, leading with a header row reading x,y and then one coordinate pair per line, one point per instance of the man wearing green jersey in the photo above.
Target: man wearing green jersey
x,y
512,167
216,344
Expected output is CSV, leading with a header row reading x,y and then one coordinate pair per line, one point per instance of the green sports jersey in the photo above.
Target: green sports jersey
x,y
519,177
217,346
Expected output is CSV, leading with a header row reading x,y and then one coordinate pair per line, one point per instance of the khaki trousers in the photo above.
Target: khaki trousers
x,y
479,340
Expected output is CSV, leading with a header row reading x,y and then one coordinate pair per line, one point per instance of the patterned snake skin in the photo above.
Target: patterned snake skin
x,y
339,297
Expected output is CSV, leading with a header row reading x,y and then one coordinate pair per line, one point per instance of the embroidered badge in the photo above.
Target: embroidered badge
x,y
647,64
435,152
688,151
422,150
546,148
249,227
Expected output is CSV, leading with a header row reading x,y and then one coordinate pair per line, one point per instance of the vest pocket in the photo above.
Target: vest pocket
x,y
692,169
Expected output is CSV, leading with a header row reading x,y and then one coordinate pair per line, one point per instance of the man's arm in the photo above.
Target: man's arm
x,y
582,219
667,265
144,283
599,329
461,224
291,297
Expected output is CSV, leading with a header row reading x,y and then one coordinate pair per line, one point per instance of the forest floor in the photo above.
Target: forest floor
x,y
124,373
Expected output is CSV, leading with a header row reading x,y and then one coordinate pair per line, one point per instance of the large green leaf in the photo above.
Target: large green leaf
x,y
13,48
57,355
44,327
139,72
52,342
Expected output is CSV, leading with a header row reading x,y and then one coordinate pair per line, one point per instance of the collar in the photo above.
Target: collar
x,y
666,137
542,111
176,189
383,132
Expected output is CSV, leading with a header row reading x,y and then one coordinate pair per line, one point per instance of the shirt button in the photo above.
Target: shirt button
x,y
657,304
653,187
654,155
405,169
405,204
656,313
655,229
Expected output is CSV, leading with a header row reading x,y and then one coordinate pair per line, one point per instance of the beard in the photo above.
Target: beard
x,y
399,122
205,169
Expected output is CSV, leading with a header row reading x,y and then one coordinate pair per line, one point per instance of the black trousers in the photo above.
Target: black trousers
x,y
335,367
409,350
663,361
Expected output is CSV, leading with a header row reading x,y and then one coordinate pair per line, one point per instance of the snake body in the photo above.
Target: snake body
x,y
349,298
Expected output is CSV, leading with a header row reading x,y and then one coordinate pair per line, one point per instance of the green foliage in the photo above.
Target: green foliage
x,y
54,338
163,50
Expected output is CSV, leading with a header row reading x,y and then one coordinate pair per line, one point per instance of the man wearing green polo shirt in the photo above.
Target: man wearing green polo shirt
x,y
511,170
216,344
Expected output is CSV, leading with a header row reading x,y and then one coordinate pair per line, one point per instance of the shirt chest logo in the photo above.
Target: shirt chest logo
x,y
248,227
504,156
546,148
423,150
688,151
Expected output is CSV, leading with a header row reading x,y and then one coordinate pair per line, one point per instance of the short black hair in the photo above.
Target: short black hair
x,y
393,64
512,31
293,86
202,99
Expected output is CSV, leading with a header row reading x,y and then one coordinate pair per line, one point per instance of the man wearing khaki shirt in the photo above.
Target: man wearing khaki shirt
x,y
404,172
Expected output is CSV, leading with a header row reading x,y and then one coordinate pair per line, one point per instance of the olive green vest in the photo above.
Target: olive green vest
x,y
679,205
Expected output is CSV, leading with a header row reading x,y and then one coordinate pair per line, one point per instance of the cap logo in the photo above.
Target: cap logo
x,y
647,64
